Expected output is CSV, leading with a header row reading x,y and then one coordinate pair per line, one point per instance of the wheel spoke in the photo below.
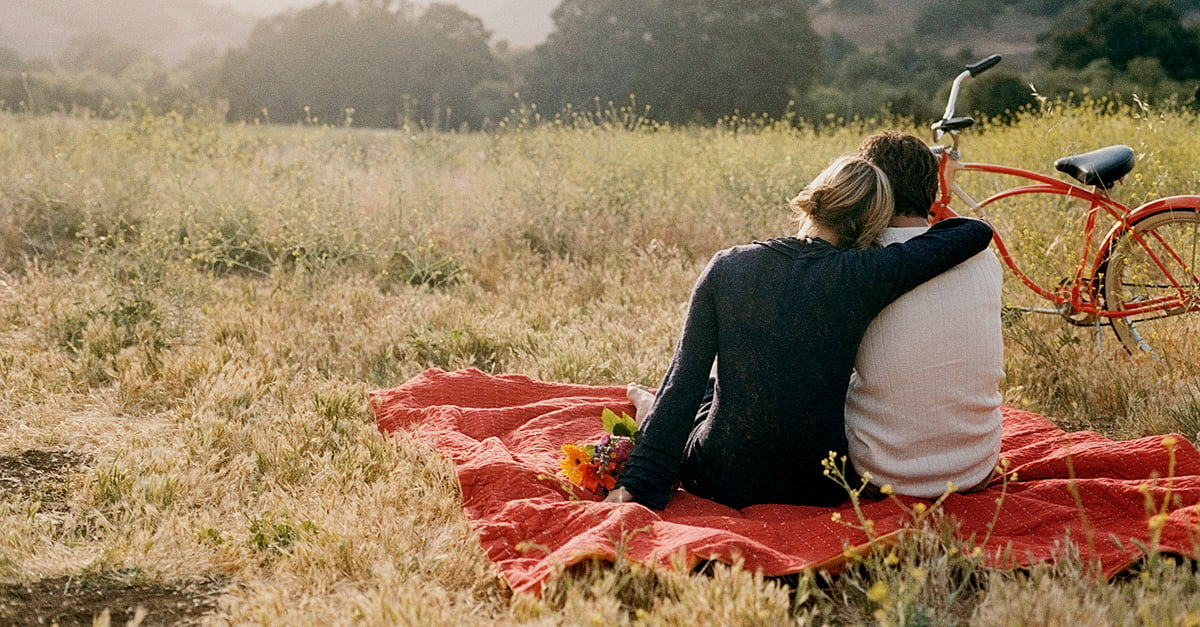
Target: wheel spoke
x,y
1151,276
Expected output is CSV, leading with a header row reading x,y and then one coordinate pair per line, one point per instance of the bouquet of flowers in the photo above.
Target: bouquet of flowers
x,y
595,467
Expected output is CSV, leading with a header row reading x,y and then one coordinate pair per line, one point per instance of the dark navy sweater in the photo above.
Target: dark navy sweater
x,y
785,317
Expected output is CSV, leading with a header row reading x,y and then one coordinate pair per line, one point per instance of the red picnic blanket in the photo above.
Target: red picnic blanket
x,y
504,434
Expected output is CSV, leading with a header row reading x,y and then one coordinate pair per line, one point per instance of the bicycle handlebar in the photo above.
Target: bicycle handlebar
x,y
983,65
972,70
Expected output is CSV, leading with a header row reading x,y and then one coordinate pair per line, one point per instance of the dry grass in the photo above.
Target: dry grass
x,y
195,312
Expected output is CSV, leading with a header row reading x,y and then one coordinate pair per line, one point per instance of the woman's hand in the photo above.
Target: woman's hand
x,y
619,495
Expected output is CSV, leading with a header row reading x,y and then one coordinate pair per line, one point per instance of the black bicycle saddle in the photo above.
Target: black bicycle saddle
x,y
1103,167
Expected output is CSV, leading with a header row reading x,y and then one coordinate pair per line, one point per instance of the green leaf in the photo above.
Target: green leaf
x,y
622,425
609,419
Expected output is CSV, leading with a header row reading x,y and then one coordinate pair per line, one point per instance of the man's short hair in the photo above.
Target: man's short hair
x,y
911,167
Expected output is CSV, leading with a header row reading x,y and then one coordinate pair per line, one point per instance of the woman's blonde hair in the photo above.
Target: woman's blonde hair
x,y
853,197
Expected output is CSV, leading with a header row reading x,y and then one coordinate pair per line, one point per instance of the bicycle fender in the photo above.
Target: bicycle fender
x,y
1154,207
1160,205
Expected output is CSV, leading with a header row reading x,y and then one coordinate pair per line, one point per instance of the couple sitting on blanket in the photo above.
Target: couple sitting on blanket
x,y
868,334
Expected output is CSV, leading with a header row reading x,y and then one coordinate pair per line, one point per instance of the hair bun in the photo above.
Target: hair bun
x,y
851,196
812,200
819,197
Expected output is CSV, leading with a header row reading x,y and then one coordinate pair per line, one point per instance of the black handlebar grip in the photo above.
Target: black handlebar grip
x,y
980,67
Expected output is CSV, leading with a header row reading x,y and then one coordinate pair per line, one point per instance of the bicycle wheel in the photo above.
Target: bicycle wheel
x,y
1161,268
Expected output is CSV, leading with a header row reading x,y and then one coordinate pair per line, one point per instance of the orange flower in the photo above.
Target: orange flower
x,y
573,462
589,478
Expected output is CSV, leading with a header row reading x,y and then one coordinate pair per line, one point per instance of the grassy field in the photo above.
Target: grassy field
x,y
192,314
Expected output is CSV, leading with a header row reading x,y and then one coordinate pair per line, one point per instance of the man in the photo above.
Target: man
x,y
923,406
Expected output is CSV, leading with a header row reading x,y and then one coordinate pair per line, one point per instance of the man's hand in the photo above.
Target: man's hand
x,y
620,495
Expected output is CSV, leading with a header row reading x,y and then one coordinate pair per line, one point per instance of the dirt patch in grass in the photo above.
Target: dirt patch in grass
x,y
25,471
40,474
70,600
126,596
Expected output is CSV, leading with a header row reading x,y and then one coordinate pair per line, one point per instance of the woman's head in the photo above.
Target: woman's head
x,y
851,197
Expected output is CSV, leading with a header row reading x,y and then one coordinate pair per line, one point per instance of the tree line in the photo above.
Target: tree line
x,y
386,63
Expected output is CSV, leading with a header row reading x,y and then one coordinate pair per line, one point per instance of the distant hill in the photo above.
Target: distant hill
x,y
1013,34
523,23
168,29
171,29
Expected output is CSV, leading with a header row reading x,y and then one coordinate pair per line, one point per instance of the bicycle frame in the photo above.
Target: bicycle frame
x,y
1143,269
1078,294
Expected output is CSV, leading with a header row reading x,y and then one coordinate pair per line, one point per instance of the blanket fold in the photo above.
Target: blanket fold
x,y
504,435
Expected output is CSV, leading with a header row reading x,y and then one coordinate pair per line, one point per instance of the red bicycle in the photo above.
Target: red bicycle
x,y
1140,277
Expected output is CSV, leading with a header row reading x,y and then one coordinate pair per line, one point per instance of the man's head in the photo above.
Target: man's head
x,y
911,167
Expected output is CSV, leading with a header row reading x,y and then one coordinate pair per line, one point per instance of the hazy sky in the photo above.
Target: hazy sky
x,y
521,22
265,7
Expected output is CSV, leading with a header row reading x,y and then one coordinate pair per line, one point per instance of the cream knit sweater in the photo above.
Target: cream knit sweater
x,y
923,405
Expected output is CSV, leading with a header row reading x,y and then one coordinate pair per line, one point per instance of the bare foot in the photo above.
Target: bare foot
x,y
642,398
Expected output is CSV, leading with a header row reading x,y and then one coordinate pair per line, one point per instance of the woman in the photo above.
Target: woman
x,y
782,319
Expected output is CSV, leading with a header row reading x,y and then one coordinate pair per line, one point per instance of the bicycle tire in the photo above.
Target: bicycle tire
x,y
1132,276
